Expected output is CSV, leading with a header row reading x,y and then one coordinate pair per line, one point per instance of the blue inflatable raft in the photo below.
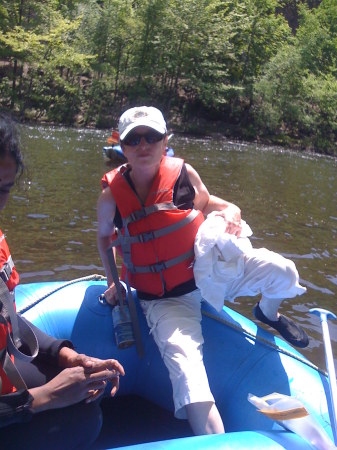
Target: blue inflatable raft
x,y
240,358
114,152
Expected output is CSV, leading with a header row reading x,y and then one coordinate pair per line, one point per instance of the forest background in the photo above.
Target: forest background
x,y
262,70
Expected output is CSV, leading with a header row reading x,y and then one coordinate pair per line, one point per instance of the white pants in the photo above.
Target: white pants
x,y
175,324
267,273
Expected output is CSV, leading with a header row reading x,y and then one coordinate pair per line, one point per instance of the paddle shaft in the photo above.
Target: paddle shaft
x,y
324,314
331,372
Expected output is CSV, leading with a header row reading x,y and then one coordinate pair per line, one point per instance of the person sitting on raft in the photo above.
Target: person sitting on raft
x,y
51,401
151,208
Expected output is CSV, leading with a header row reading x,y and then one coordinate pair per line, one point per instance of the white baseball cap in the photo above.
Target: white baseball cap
x,y
141,116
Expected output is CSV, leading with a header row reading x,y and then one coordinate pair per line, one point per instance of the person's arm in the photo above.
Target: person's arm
x,y
15,408
70,358
106,210
208,203
76,384
85,378
49,347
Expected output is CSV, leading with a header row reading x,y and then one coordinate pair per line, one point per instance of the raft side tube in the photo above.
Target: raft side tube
x,y
240,357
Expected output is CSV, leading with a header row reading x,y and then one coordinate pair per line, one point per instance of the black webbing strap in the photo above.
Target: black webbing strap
x,y
131,302
21,333
7,269
161,265
9,367
148,210
28,337
21,330
8,311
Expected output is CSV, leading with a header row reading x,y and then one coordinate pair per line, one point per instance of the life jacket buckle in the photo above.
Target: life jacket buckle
x,y
137,215
158,267
6,272
145,237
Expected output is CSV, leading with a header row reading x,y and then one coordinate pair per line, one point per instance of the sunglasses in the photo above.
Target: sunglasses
x,y
151,137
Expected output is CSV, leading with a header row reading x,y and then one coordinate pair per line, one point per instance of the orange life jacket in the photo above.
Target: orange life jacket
x,y
7,269
6,385
157,238
11,277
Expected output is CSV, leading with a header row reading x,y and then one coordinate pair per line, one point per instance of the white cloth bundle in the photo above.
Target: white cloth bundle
x,y
219,258
227,267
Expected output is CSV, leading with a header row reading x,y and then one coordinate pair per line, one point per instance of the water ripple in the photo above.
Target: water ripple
x,y
316,288
38,216
333,279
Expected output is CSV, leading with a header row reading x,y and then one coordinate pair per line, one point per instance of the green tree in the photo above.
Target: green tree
x,y
226,60
234,40
106,32
52,65
297,96
317,38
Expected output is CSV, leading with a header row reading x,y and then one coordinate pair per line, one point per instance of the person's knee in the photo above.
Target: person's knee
x,y
76,426
79,425
283,273
288,274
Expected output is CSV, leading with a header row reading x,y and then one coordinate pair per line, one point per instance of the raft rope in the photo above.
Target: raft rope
x,y
261,340
264,341
94,277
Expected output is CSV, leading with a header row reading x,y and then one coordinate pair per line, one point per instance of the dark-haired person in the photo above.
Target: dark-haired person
x,y
51,401
151,209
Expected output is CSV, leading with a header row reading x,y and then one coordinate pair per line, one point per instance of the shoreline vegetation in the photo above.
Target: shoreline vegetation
x,y
201,129
254,71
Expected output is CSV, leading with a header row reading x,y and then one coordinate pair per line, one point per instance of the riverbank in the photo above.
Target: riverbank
x,y
254,73
195,126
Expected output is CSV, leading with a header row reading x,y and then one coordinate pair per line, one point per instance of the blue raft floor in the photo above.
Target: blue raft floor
x,y
130,420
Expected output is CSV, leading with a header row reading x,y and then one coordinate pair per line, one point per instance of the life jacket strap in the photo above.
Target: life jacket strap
x,y
162,265
146,211
150,235
7,269
124,240
9,367
21,332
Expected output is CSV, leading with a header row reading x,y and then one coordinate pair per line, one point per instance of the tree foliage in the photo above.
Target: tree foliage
x,y
260,67
297,95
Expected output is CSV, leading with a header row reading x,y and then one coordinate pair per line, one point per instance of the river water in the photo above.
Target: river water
x,y
289,199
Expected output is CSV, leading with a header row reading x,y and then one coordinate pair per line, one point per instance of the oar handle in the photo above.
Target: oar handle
x,y
324,315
